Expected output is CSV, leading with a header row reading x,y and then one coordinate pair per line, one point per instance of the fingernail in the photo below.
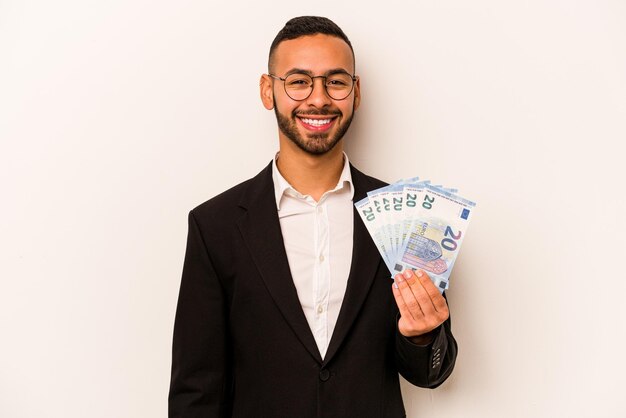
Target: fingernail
x,y
407,274
398,278
395,285
419,273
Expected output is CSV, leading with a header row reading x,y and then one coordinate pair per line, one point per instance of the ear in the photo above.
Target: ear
x,y
357,93
267,91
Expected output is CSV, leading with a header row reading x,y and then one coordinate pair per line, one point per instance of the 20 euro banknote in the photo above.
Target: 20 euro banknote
x,y
436,235
415,224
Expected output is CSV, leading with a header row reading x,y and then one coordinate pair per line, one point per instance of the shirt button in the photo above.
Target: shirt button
x,y
320,309
321,258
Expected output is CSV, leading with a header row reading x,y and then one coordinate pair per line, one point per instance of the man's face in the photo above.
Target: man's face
x,y
317,123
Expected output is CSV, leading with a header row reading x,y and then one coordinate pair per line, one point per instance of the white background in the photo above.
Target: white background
x,y
118,117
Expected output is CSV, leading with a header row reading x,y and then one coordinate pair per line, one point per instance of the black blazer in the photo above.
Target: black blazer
x,y
242,346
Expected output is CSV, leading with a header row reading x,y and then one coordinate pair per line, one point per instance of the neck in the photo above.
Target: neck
x,y
311,175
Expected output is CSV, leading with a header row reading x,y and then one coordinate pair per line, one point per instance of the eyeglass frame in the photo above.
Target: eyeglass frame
x,y
353,77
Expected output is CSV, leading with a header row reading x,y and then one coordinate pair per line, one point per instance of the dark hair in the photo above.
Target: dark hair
x,y
304,26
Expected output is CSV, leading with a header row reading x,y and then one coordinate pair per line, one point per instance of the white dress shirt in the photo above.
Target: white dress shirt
x,y
318,242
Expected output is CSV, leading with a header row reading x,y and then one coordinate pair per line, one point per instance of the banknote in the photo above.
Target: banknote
x,y
368,215
417,225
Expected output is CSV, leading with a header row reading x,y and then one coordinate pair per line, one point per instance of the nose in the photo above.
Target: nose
x,y
319,96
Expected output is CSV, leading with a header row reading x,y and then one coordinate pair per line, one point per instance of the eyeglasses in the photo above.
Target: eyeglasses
x,y
299,86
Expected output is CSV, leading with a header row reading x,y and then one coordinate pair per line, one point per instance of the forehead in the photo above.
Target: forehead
x,y
316,53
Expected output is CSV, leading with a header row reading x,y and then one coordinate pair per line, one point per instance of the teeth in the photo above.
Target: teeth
x,y
316,122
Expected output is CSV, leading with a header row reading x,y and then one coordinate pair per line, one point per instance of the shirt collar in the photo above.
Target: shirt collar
x,y
281,185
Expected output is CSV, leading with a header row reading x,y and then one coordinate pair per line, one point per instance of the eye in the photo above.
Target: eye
x,y
339,81
298,80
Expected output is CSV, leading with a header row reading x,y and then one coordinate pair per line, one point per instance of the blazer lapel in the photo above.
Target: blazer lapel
x,y
261,232
365,263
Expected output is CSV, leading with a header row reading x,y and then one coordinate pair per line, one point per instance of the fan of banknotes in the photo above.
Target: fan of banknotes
x,y
417,225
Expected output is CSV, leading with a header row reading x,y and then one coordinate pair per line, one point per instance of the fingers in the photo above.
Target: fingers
x,y
419,295
405,312
437,300
422,307
414,293
408,290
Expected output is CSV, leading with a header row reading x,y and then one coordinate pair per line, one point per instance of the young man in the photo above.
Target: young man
x,y
285,307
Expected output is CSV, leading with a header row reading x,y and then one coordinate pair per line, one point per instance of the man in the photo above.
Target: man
x,y
285,307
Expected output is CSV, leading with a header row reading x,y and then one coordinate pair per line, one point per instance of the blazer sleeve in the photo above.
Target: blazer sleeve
x,y
201,373
427,366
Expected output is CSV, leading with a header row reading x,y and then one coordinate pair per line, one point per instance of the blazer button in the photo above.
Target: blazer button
x,y
324,375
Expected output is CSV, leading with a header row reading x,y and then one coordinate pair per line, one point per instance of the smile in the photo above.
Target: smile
x,y
316,124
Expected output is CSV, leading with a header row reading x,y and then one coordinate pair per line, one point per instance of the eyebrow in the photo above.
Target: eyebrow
x,y
310,73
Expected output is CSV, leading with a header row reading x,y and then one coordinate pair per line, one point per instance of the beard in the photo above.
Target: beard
x,y
314,143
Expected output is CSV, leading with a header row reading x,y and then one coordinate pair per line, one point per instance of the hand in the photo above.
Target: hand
x,y
422,307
